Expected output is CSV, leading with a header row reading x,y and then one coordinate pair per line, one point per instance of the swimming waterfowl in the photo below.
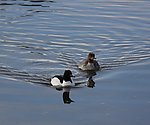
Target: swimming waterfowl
x,y
90,63
63,81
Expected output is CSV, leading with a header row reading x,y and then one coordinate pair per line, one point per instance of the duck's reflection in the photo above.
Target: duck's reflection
x,y
66,91
90,83
66,94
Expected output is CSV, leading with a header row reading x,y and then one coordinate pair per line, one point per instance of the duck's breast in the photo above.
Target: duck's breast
x,y
67,84
89,66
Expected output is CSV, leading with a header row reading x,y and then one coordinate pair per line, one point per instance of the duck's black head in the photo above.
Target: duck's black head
x,y
67,75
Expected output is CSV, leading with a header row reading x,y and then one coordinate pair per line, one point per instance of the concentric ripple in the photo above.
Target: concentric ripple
x,y
44,37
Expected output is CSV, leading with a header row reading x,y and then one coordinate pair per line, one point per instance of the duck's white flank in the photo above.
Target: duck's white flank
x,y
56,82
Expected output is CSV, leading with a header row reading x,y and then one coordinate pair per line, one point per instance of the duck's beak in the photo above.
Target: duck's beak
x,y
93,58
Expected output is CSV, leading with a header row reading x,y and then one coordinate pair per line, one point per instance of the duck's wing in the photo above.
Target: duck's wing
x,y
60,77
57,80
96,65
83,64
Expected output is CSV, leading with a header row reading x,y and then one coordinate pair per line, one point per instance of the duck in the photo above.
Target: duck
x,y
89,64
62,80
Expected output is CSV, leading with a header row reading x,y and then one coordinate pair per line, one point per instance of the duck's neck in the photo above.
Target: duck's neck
x,y
67,78
89,61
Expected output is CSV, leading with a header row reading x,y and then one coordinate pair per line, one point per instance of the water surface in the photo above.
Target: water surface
x,y
41,38
46,37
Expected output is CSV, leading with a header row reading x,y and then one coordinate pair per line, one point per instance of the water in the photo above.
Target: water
x,y
47,37
41,38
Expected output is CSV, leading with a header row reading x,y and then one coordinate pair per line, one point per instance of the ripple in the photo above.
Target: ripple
x,y
45,37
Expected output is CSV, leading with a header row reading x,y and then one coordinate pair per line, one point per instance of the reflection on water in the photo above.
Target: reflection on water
x,y
90,83
85,80
66,96
41,38
67,90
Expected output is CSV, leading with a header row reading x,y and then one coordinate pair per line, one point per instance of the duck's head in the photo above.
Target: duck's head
x,y
91,57
67,75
